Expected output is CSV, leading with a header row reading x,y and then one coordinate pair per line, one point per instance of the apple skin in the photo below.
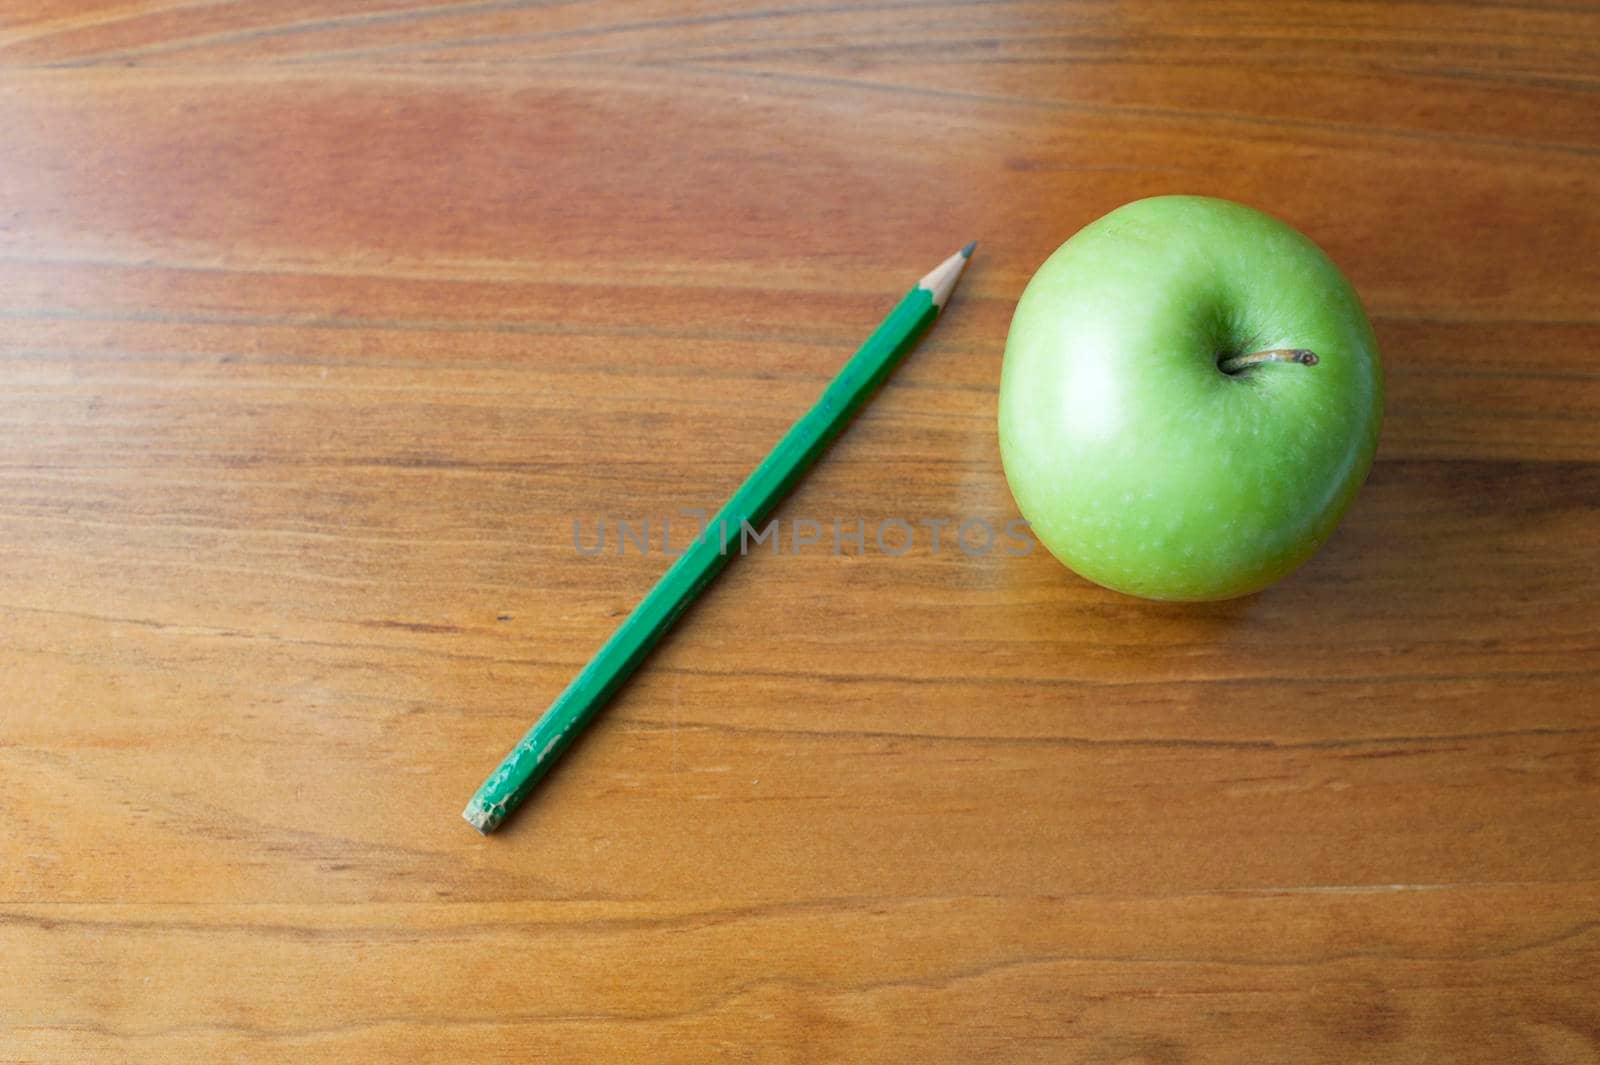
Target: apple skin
x,y
1139,463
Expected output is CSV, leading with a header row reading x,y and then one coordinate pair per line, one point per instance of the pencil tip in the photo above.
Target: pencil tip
x,y
941,280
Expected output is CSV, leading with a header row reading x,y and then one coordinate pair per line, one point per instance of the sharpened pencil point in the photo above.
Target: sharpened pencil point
x,y
941,280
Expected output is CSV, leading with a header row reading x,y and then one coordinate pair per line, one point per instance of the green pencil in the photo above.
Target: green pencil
x,y
574,708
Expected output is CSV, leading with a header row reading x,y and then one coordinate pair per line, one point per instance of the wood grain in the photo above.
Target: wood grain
x,y
320,323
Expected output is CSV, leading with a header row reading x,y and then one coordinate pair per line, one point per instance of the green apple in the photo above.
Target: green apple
x,y
1190,399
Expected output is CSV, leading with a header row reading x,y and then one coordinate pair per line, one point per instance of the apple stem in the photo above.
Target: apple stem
x,y
1255,358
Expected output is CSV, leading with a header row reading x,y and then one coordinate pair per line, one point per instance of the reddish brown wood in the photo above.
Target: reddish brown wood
x,y
319,324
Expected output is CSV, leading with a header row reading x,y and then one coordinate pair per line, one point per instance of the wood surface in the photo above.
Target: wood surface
x,y
321,322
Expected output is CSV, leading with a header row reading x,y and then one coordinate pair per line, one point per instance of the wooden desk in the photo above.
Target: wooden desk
x,y
320,323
